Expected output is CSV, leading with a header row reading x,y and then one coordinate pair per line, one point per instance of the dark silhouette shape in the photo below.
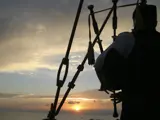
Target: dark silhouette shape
x,y
137,75
141,88
50,112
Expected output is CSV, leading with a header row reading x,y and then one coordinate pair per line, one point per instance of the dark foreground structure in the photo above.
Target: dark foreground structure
x,y
137,73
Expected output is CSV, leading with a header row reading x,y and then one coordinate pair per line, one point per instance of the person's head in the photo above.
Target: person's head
x,y
145,17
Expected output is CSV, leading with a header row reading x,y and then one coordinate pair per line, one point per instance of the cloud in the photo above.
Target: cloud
x,y
31,31
86,95
10,95
3,95
91,94
30,34
73,102
84,99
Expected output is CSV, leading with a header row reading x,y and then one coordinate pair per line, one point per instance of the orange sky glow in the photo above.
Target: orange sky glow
x,y
77,102
44,104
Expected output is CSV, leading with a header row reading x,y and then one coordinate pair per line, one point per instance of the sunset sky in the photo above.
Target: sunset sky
x,y
34,36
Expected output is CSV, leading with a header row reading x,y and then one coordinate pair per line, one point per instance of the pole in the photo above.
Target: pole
x,y
115,113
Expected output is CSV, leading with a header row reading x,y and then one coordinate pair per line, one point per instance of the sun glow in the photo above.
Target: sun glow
x,y
76,108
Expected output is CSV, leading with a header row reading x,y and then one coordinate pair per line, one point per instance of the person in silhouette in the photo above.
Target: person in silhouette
x,y
131,64
140,88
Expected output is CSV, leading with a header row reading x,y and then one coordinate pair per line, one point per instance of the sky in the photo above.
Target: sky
x,y
34,35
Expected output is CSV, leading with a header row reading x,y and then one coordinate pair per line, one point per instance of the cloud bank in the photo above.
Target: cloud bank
x,y
31,31
85,100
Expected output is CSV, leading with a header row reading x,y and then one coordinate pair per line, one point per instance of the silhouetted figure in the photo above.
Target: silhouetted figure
x,y
132,64
141,93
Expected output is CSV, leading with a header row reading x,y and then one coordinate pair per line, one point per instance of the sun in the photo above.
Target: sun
x,y
77,108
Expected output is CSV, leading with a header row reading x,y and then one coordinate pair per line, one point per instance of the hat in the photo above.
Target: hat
x,y
146,13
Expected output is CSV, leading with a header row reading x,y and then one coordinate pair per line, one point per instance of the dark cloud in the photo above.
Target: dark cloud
x,y
73,102
74,98
7,95
91,94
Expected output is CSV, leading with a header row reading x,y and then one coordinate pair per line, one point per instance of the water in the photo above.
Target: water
x,y
61,116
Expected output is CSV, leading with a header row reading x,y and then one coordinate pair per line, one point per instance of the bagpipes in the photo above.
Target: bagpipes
x,y
54,110
110,76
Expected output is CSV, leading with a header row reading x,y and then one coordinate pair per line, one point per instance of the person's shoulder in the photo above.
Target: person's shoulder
x,y
124,43
125,34
125,37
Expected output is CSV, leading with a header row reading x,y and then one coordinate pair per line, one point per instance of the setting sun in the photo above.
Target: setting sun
x,y
77,108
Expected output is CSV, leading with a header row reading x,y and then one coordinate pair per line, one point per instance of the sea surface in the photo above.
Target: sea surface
x,y
62,116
